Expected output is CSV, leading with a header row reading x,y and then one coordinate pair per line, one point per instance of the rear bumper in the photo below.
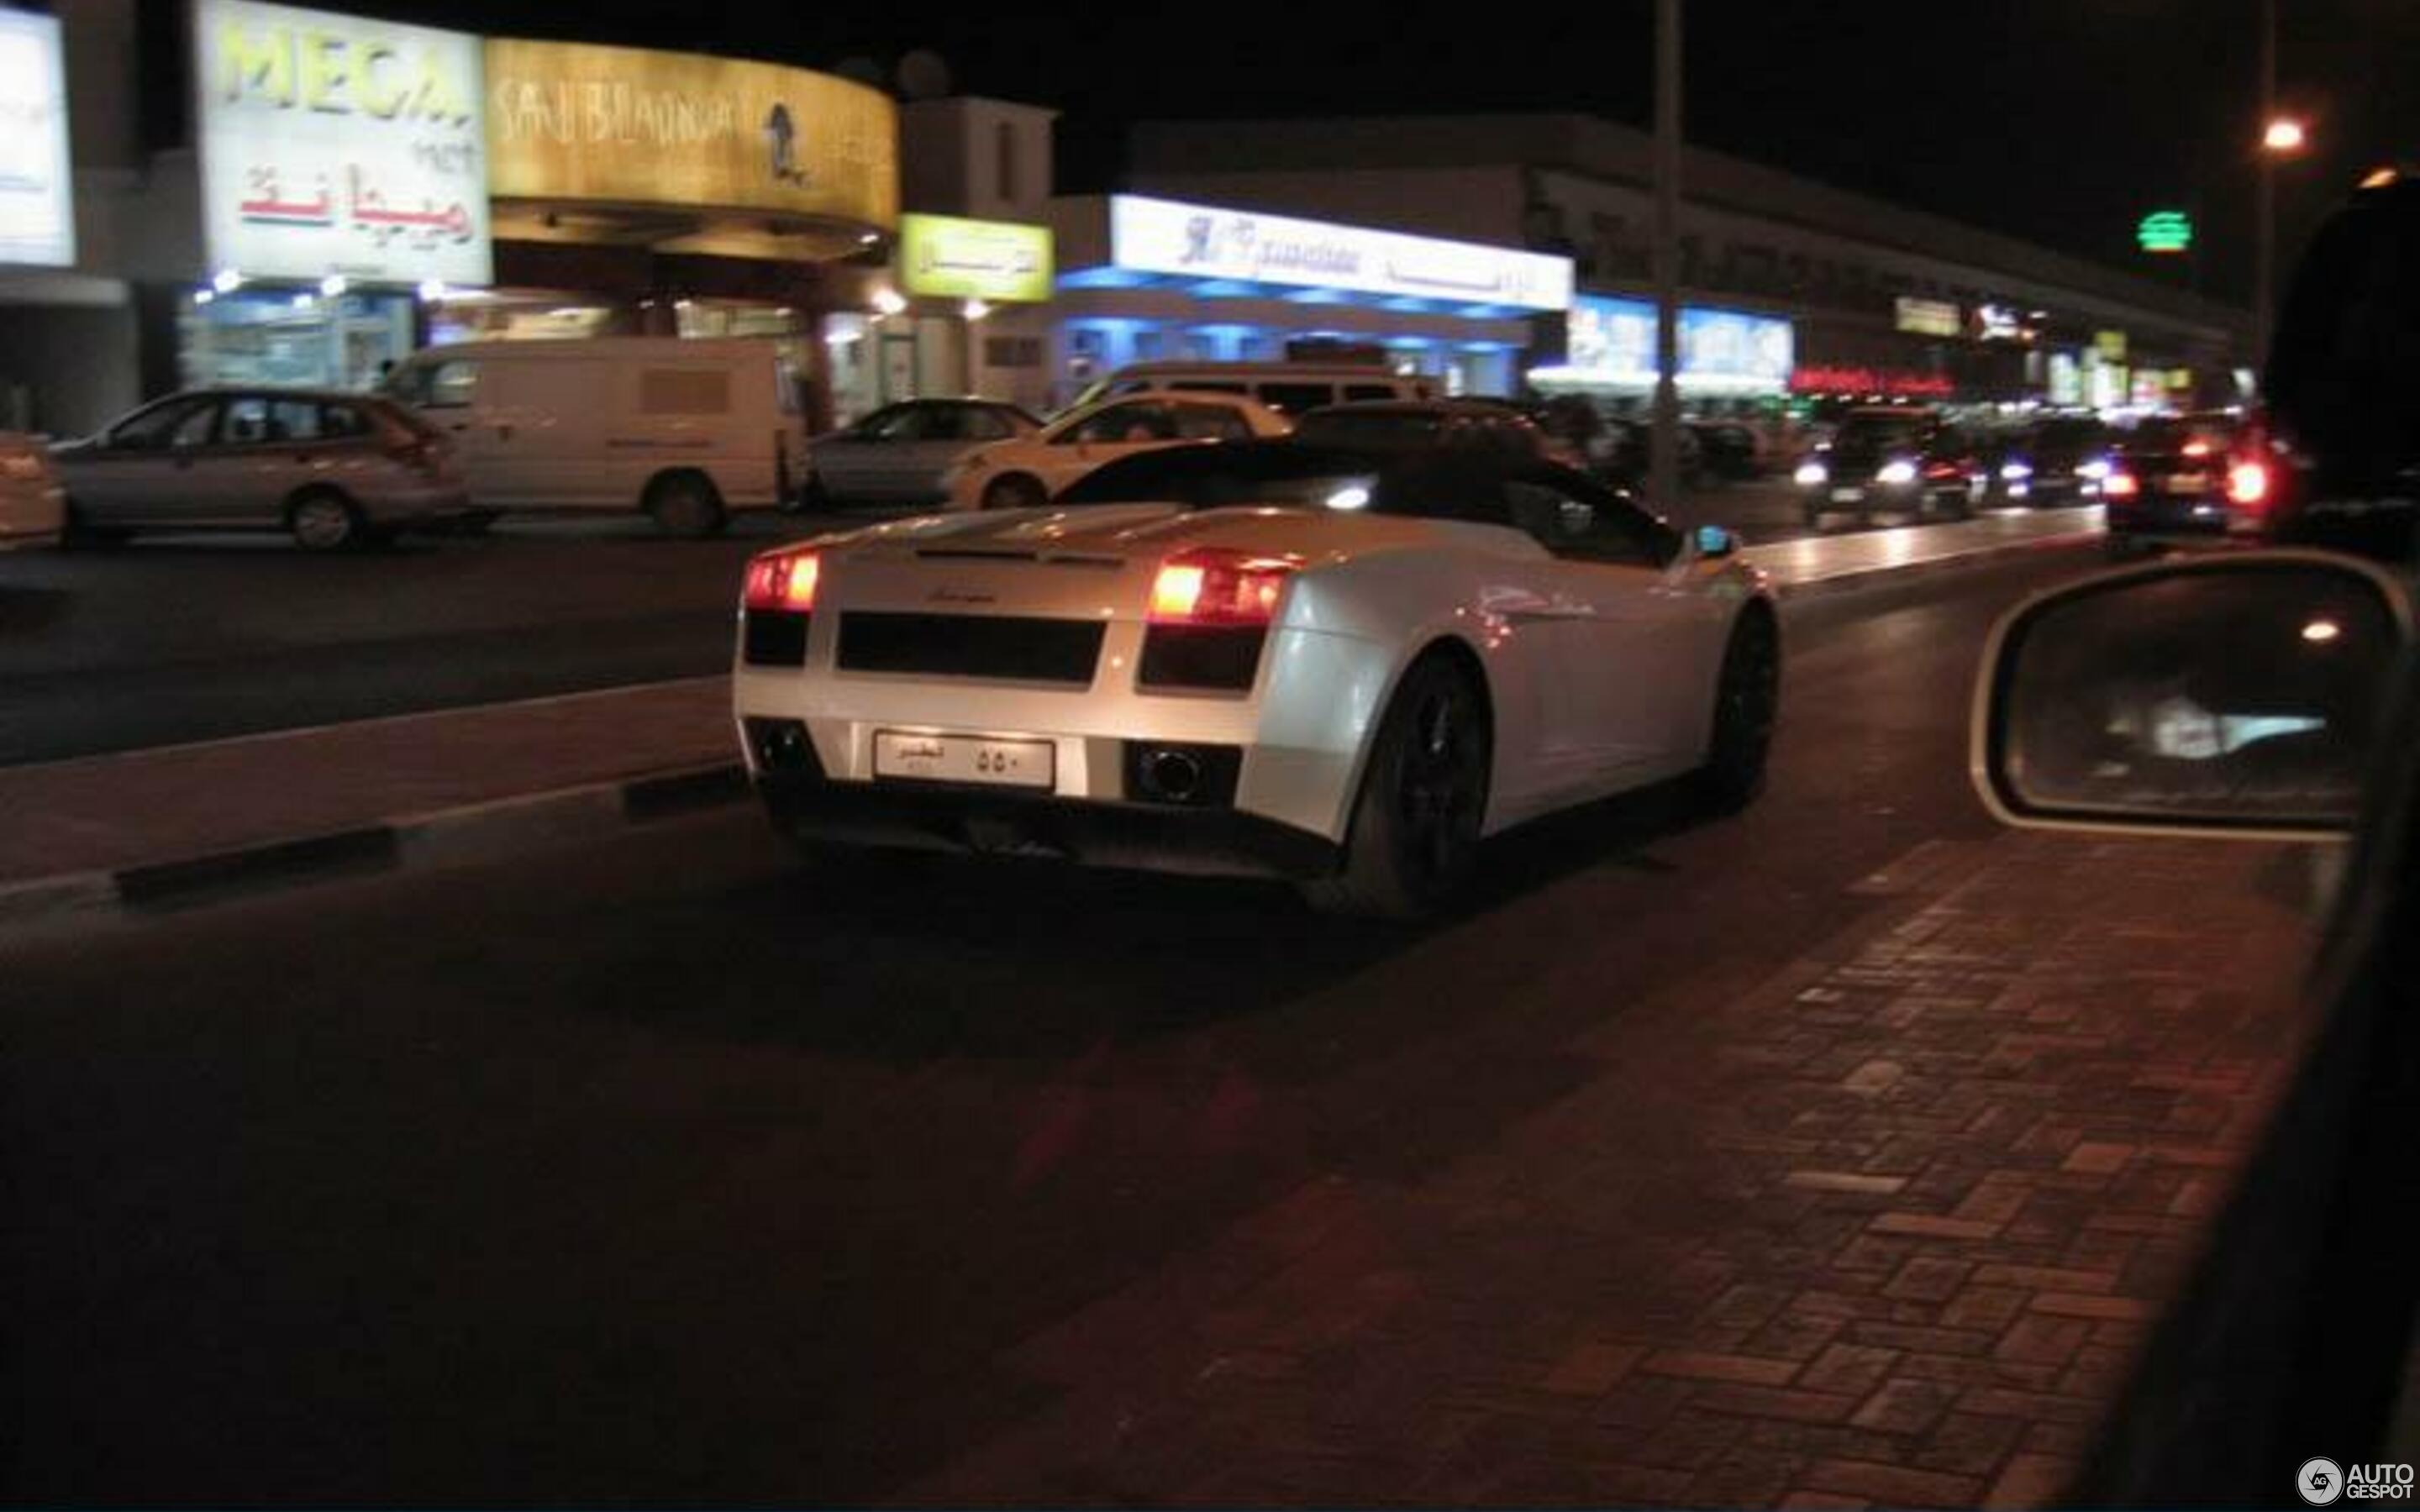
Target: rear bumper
x,y
1095,832
2190,516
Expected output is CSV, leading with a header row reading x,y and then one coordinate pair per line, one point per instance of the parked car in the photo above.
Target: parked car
x,y
689,432
33,506
335,470
2167,479
1288,388
2335,458
1416,425
1028,470
2061,460
902,452
1305,686
1895,461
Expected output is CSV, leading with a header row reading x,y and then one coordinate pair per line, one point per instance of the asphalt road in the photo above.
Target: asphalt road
x,y
666,1170
180,638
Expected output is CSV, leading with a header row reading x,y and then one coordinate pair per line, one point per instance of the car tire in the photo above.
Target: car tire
x,y
1413,840
1014,490
685,506
77,534
1747,700
322,520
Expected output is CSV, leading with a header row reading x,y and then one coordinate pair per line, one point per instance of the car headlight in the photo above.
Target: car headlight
x,y
2097,468
2014,472
1895,473
1811,473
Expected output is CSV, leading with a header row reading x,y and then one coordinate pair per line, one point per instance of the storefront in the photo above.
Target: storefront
x,y
49,313
1146,279
1732,361
962,307
675,195
343,189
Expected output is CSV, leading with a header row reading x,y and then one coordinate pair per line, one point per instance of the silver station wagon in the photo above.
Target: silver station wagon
x,y
334,470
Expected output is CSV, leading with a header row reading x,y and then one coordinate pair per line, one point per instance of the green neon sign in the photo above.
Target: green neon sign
x,y
2165,231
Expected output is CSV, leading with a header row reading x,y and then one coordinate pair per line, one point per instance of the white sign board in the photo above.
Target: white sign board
x,y
1158,235
335,144
36,183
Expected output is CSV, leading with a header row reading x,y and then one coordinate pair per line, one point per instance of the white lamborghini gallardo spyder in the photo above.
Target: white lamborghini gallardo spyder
x,y
1341,667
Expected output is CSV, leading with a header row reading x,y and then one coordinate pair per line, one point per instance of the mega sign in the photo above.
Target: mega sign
x,y
36,186
616,125
338,146
1158,235
945,257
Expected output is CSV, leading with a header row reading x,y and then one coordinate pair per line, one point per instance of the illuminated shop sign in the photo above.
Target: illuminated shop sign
x,y
1612,342
338,146
625,127
2111,345
1158,236
1871,380
1928,317
2165,231
945,257
36,186
2001,322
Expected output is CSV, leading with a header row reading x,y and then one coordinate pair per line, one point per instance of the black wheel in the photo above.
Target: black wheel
x,y
1415,831
77,533
1748,699
683,505
1015,491
323,519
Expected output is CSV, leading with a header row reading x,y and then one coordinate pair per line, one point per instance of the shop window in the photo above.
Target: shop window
x,y
681,390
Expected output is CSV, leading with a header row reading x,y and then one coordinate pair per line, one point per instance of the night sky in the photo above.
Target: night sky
x,y
2062,121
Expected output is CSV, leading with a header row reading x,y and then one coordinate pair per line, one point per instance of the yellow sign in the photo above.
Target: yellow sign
x,y
620,126
1002,261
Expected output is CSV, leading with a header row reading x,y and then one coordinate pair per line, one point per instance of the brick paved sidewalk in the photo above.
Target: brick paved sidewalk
x,y
1884,1230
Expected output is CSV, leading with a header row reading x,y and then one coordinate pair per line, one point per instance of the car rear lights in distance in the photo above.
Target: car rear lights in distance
x,y
1219,586
2247,483
2120,484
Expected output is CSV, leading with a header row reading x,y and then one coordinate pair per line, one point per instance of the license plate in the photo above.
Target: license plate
x,y
2188,483
1016,763
1847,495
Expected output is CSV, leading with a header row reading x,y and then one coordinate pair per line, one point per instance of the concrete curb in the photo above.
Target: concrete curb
x,y
1874,576
445,837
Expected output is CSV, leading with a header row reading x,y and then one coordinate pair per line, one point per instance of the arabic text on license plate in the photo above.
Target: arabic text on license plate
x,y
1847,495
2188,482
1019,763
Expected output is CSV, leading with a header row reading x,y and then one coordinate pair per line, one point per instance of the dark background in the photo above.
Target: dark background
x,y
2062,121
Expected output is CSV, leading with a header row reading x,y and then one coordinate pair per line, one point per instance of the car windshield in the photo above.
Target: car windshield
x,y
1879,433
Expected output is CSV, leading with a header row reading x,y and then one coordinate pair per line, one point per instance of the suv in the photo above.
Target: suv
x,y
1890,461
2334,460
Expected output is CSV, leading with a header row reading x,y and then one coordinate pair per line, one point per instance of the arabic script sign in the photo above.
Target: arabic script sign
x,y
622,126
335,144
37,200
944,257
1159,235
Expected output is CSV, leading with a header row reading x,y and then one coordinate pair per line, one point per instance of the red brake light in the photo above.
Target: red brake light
x,y
2247,483
2119,485
1218,586
784,580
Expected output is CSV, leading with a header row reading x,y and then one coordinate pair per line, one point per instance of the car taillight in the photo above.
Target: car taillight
x,y
1219,586
785,582
2247,483
2119,485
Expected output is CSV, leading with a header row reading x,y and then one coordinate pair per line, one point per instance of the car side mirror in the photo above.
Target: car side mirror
x,y
1714,542
2239,694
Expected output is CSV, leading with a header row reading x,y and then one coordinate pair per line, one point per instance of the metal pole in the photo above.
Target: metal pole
x,y
2264,261
1664,447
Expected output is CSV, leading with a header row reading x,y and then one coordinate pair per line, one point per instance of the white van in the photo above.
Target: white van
x,y
687,431
1288,388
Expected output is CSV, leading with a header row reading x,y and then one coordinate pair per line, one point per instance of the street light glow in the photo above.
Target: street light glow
x,y
2284,134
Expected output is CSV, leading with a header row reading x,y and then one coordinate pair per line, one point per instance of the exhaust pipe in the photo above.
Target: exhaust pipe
x,y
1172,776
